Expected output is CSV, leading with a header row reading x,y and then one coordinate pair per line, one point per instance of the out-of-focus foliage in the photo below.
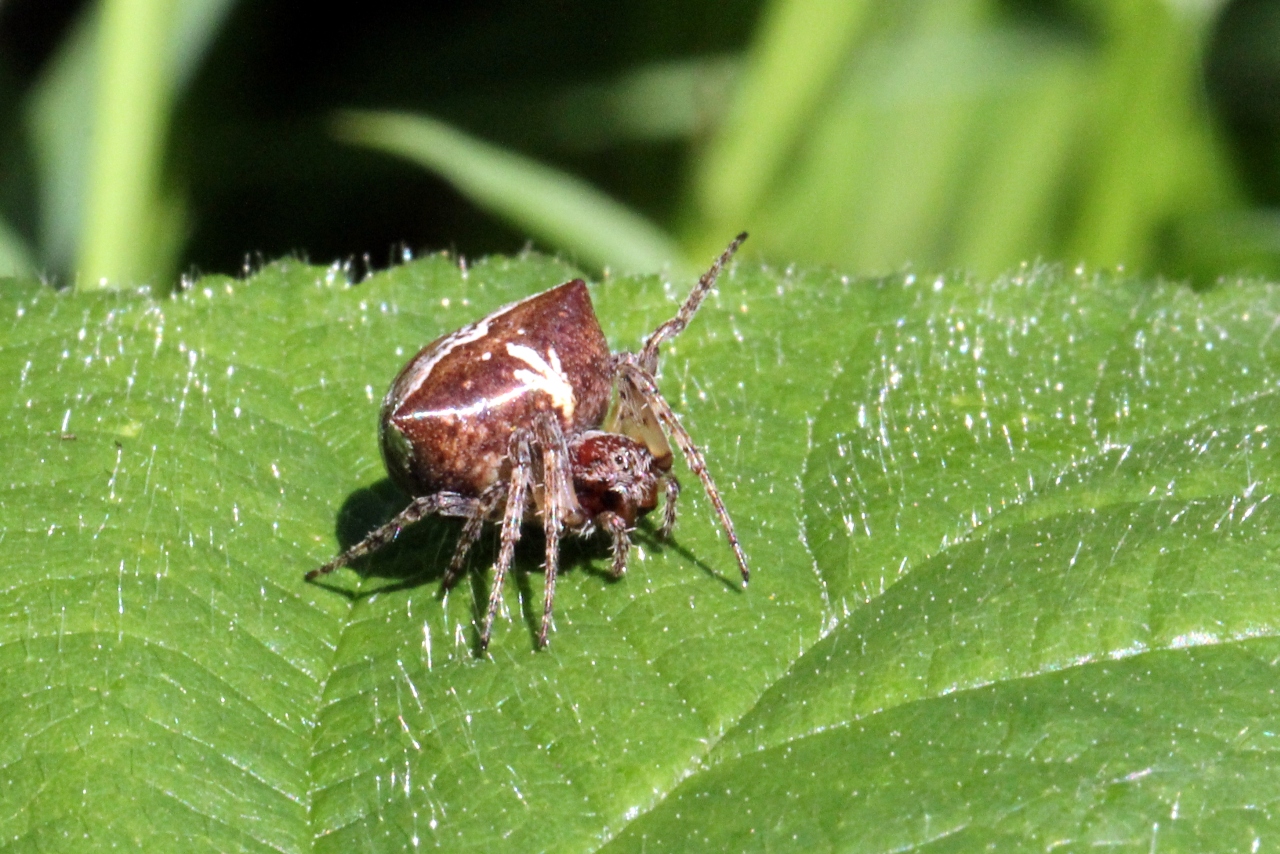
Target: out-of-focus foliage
x,y
154,135
98,120
544,201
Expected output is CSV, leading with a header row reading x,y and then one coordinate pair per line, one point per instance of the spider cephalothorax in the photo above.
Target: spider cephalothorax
x,y
506,419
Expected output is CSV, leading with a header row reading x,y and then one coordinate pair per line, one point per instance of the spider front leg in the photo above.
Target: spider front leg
x,y
669,508
646,388
559,507
442,503
513,514
676,325
616,527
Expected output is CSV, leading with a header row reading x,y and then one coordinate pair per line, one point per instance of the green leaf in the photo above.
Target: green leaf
x,y
1015,576
563,210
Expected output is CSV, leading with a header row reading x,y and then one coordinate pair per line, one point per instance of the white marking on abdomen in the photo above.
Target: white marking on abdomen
x,y
546,377
473,408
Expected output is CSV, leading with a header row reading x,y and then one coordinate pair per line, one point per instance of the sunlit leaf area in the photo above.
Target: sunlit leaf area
x,y
989,394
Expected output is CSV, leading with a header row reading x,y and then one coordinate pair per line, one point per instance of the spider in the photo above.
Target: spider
x,y
509,418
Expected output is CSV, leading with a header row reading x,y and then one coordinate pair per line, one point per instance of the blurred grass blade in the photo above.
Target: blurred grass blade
x,y
948,133
870,184
15,258
131,113
1019,158
660,101
801,47
163,43
1154,157
194,26
560,209
60,124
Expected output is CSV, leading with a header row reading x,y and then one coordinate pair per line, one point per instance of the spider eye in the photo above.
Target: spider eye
x,y
619,460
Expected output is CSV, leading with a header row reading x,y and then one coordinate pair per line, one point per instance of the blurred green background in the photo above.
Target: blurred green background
x,y
148,139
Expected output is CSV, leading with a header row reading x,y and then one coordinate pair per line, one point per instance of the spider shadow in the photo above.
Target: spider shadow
x,y
422,552
652,541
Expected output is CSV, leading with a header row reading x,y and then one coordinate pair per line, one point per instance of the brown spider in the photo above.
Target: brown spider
x,y
506,418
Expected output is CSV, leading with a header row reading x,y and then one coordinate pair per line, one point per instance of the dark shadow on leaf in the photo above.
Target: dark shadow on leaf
x,y
651,540
421,552
529,607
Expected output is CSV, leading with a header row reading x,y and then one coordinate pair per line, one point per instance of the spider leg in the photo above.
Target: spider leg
x,y
676,325
617,529
443,503
560,507
645,386
471,530
517,498
669,508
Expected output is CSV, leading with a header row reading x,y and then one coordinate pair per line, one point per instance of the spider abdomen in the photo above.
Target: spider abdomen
x,y
447,419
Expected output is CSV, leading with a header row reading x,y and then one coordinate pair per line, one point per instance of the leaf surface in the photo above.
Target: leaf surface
x,y
1014,559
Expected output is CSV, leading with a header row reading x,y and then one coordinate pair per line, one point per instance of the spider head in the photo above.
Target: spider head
x,y
612,472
